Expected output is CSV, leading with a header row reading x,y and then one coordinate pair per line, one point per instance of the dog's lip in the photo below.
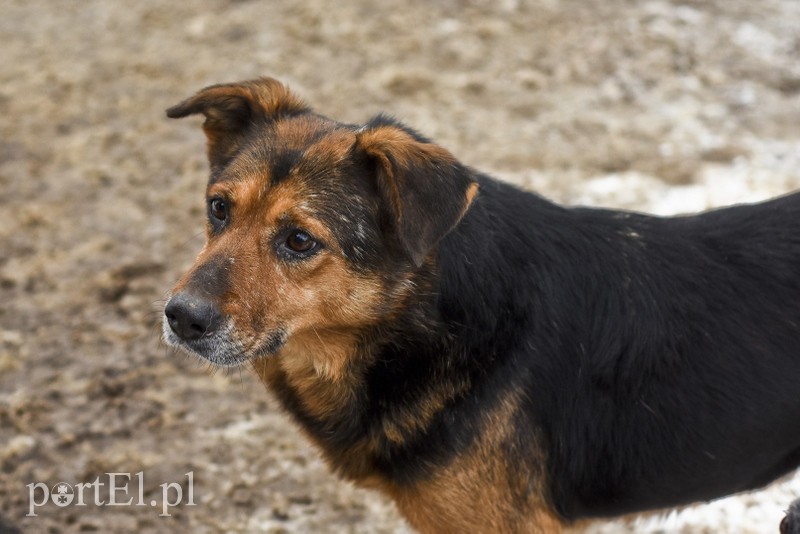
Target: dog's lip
x,y
218,348
218,353
270,346
222,349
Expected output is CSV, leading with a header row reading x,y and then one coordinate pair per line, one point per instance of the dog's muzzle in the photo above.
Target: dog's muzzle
x,y
194,324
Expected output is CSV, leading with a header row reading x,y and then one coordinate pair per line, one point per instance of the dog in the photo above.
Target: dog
x,y
490,360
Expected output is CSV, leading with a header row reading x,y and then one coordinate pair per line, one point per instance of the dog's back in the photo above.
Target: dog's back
x,y
657,349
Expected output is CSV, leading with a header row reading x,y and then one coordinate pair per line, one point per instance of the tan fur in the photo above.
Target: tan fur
x,y
317,370
393,148
403,148
265,95
407,421
471,193
480,491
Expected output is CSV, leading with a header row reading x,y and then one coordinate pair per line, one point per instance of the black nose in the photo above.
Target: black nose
x,y
191,316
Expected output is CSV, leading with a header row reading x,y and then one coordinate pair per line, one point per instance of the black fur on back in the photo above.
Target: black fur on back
x,y
658,357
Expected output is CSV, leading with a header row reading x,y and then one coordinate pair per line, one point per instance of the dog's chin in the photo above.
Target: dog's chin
x,y
222,350
218,356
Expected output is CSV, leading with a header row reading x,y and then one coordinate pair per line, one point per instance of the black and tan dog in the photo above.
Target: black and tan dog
x,y
491,361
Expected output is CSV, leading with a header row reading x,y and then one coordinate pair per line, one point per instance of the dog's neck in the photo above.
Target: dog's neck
x,y
343,386
365,396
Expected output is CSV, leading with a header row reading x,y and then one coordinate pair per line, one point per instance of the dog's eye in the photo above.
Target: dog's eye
x,y
300,242
295,244
218,209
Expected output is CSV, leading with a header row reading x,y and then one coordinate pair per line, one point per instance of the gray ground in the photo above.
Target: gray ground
x,y
656,105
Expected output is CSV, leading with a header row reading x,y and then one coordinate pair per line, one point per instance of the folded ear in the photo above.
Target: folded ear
x,y
232,109
425,189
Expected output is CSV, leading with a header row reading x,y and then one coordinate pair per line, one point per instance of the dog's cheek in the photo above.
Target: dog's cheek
x,y
340,298
357,302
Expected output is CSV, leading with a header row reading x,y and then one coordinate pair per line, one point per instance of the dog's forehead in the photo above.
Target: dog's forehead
x,y
303,167
311,154
304,171
308,148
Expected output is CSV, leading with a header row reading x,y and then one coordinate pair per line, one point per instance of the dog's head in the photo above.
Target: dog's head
x,y
314,227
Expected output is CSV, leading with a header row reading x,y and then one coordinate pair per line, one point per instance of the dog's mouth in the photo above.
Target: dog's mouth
x,y
222,347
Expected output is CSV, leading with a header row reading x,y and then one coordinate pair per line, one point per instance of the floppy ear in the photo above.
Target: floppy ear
x,y
425,189
232,109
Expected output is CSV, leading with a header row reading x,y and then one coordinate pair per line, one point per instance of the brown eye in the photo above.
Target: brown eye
x,y
299,241
218,209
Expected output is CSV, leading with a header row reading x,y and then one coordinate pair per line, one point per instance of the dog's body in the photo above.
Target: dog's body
x,y
490,360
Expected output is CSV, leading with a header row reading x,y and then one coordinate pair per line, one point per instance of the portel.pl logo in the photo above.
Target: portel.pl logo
x,y
63,494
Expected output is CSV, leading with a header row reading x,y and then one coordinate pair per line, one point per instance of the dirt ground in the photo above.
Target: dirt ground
x,y
654,105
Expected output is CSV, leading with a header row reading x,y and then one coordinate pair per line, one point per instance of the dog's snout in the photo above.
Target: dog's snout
x,y
191,316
